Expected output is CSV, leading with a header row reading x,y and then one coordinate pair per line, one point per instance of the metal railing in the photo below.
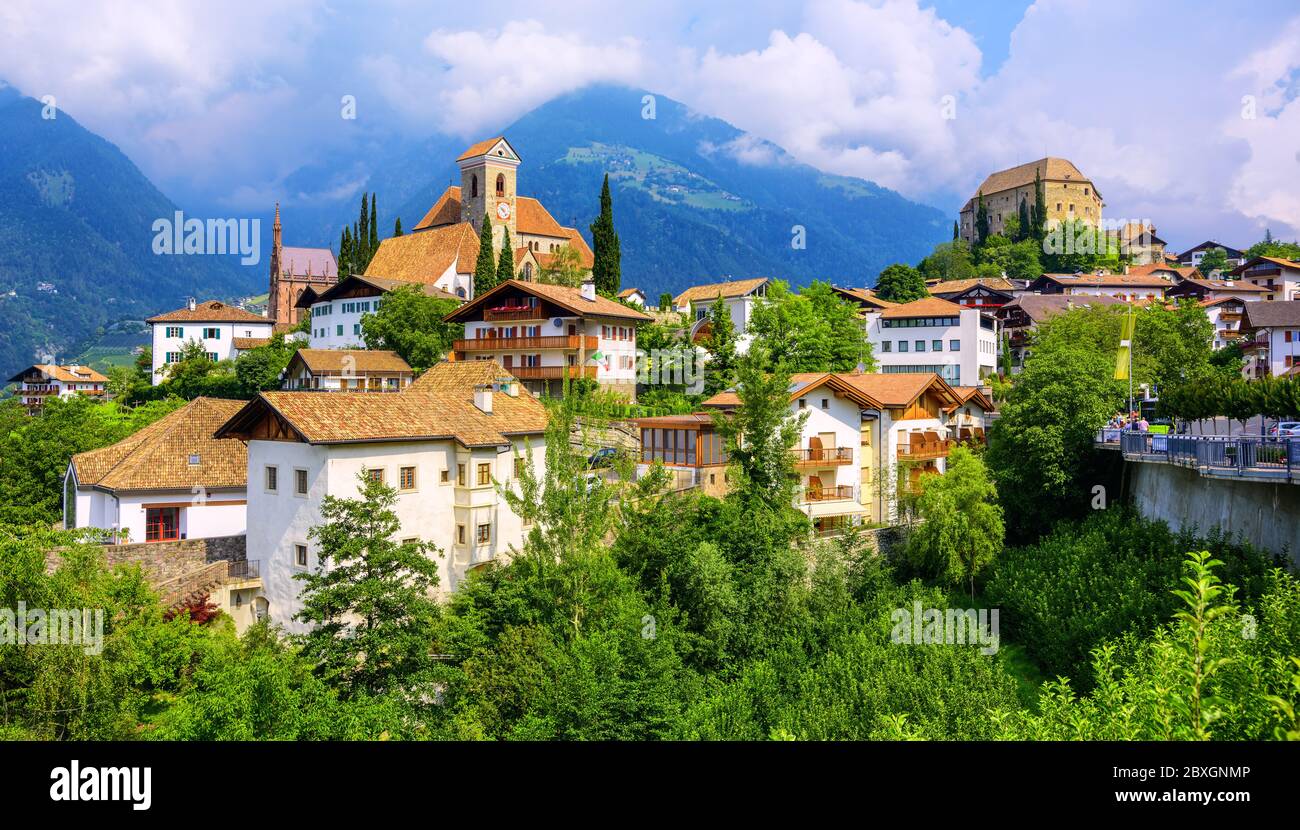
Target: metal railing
x,y
838,492
559,341
1240,454
824,455
244,569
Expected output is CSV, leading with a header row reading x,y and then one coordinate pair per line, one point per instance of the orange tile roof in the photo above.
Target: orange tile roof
x,y
924,307
480,148
334,361
158,456
568,298
531,218
865,295
212,311
445,211
585,254
65,374
243,344
1184,272
733,288
1116,280
424,256
1048,169
437,406
958,286
867,389
628,292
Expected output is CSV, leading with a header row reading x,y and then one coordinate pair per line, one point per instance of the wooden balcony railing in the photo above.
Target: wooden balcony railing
x,y
552,372
823,456
494,344
839,492
937,448
522,313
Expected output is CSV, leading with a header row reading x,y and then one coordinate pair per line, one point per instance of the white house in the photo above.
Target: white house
x,y
347,370
1271,338
1279,277
1193,256
336,312
443,444
740,296
213,324
544,333
635,296
932,335
171,480
37,384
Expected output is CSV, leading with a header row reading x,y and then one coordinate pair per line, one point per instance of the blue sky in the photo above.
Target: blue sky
x,y
1183,113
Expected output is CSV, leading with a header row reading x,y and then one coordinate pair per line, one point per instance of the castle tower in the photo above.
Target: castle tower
x,y
488,185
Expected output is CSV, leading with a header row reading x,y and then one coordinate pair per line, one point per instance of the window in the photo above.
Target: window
x,y
212,356
375,474
300,481
803,403
162,524
501,184
411,540
887,346
338,330
920,345
272,479
484,474
212,334
356,328
175,331
826,403
406,478
445,477
484,534
902,345
300,555
473,186
173,357
936,346
954,345
460,534
460,475
520,464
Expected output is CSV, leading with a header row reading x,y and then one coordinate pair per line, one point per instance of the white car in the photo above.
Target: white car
x,y
1287,429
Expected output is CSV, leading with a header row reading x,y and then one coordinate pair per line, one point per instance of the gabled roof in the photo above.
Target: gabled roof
x,y
1107,280
1038,307
308,262
531,218
243,344
213,311
958,286
1283,263
445,211
801,383
1271,313
585,254
868,390
714,290
628,292
1240,286
924,307
484,147
975,395
863,297
425,256
1048,169
438,406
1210,244
360,361
64,374
1182,272
310,298
158,456
570,299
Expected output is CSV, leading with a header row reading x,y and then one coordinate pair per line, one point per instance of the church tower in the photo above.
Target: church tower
x,y
273,302
487,185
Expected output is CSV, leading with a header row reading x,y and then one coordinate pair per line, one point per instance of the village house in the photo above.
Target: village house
x,y
336,311
1138,242
981,292
635,296
444,444
1279,277
1022,316
347,370
37,384
1068,195
543,334
171,480
1120,286
1193,256
932,335
213,325
1225,314
1270,332
740,297
1172,272
1201,289
864,298
443,247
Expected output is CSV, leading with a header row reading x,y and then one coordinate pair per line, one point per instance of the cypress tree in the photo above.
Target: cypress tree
x,y
374,231
981,220
606,268
485,267
506,263
397,227
1025,224
954,230
361,235
345,253
1039,222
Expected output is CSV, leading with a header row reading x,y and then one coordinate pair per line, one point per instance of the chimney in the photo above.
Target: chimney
x,y
509,385
483,397
589,290
190,304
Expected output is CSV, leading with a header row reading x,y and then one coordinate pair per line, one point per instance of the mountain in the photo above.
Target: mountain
x,y
695,199
76,239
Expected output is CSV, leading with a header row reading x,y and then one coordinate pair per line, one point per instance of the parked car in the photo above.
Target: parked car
x,y
1286,429
604,457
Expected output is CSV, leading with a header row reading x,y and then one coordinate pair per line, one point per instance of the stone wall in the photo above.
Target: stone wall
x,y
166,561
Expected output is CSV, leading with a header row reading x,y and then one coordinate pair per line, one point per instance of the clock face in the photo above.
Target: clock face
x,y
503,210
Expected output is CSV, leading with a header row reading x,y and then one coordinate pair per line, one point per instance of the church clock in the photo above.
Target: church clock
x,y
503,211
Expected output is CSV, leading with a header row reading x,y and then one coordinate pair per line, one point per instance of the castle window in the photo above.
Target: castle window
x,y
473,186
501,184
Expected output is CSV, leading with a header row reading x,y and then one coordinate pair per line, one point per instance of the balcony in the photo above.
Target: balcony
x,y
551,372
922,448
823,457
497,344
515,313
839,492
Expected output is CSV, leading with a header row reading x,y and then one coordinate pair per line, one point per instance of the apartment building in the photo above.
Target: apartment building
x,y
38,383
932,335
336,312
543,334
1279,277
213,324
1020,317
347,370
171,480
1225,314
444,443
1270,332
740,296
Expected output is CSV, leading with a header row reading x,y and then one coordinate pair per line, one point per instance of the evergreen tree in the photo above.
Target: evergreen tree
x,y
1026,228
362,235
485,267
981,220
665,301
720,370
345,253
606,269
506,262
397,227
373,245
1039,211
900,284
954,230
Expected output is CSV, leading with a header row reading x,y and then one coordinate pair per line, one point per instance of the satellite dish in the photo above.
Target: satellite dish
x,y
558,322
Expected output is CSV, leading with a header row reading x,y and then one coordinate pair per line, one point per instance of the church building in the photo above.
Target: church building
x,y
293,271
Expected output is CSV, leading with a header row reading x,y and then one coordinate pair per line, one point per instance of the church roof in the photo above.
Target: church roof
x,y
308,262
445,211
531,218
425,256
484,147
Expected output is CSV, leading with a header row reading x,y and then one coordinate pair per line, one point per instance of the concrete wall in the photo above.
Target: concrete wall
x,y
1266,515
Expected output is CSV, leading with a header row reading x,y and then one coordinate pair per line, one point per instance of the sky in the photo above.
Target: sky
x,y
1184,114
